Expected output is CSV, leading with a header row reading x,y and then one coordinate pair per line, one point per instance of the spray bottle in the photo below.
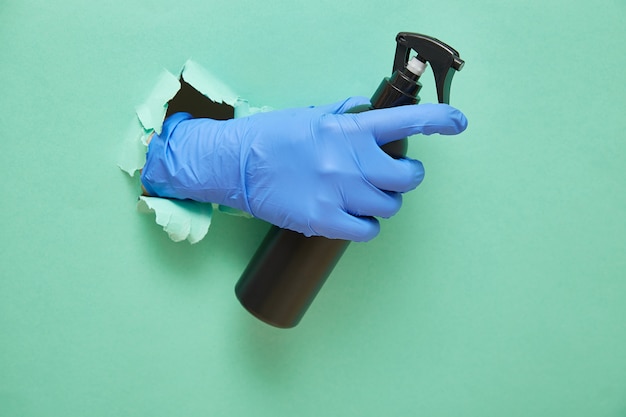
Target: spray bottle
x,y
288,269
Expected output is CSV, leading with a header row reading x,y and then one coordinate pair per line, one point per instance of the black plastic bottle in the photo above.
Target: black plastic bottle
x,y
288,270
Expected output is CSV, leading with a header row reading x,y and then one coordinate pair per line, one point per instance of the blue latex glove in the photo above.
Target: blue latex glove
x,y
314,170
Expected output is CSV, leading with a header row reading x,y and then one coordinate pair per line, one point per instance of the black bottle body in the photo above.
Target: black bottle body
x,y
285,274
288,269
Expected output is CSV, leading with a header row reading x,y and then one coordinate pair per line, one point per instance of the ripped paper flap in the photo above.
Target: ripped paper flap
x,y
152,112
181,219
203,81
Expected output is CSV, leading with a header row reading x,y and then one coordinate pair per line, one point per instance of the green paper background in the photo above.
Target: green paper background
x,y
498,290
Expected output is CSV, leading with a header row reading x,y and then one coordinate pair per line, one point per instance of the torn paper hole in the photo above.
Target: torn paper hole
x,y
198,92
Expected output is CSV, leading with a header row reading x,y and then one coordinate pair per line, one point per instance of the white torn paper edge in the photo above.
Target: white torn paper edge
x,y
181,219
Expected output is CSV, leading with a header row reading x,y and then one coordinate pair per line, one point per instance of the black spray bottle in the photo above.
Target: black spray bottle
x,y
287,271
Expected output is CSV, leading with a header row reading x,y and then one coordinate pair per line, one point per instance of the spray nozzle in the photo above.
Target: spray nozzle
x,y
416,66
443,59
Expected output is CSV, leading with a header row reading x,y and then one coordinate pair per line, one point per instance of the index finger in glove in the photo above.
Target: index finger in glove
x,y
388,125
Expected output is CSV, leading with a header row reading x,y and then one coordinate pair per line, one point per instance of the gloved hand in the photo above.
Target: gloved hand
x,y
314,170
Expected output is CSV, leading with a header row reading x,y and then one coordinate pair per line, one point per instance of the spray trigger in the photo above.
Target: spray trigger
x,y
443,59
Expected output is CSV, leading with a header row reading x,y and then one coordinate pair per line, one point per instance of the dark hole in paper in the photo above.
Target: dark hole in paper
x,y
190,100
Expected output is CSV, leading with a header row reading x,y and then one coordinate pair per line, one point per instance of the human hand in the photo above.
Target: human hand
x,y
315,170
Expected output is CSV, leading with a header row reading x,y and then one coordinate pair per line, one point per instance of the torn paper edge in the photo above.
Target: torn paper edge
x,y
152,111
181,219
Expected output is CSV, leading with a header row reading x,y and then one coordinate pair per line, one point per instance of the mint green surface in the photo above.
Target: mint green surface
x,y
498,290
